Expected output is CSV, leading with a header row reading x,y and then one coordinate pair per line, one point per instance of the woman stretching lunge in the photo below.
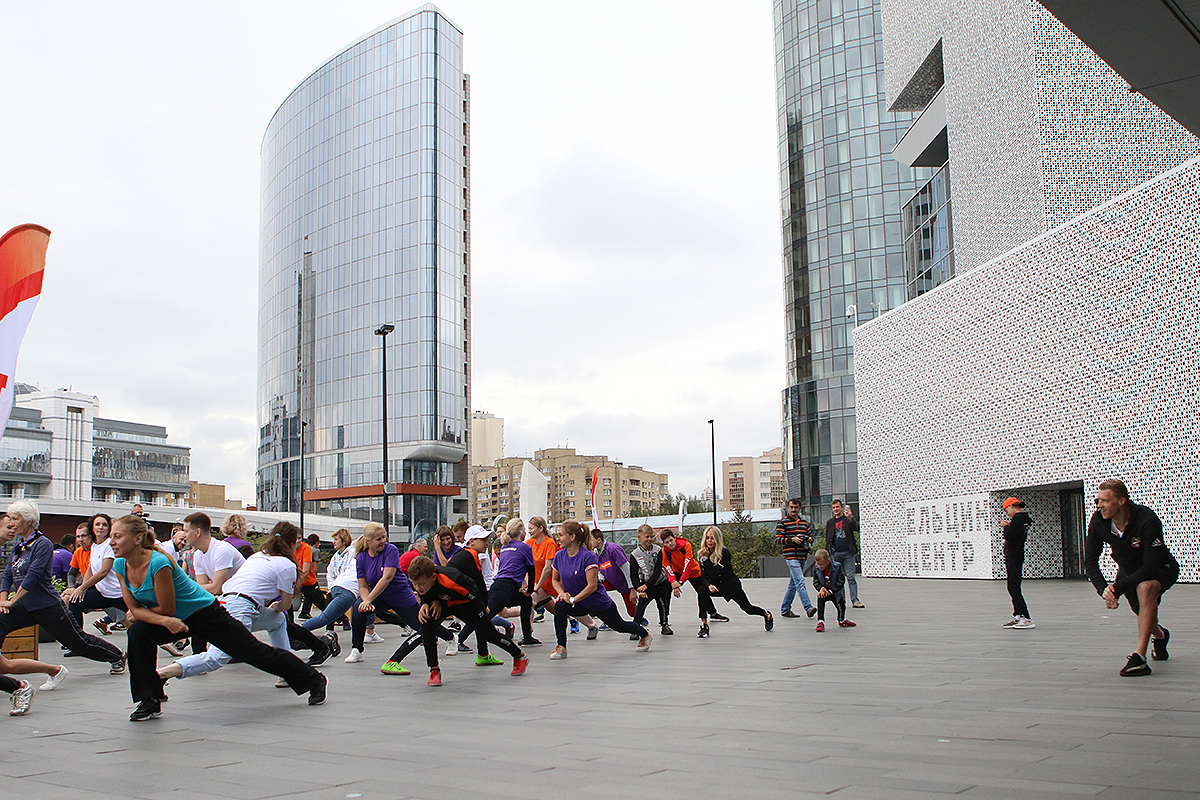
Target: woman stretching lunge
x,y
165,604
716,571
576,579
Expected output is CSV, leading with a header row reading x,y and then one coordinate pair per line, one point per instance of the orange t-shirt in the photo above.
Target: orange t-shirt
x,y
541,554
81,560
304,562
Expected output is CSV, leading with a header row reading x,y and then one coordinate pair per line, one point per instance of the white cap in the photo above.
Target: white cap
x,y
477,532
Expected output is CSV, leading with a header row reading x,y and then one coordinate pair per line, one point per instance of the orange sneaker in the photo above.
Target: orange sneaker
x,y
435,677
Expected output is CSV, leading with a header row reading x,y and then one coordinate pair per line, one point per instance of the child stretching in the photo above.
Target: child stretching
x,y
446,590
830,585
649,580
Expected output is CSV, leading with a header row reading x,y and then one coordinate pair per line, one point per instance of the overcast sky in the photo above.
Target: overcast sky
x,y
625,198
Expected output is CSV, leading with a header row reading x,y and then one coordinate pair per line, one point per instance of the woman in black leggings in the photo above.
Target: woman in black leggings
x,y
718,577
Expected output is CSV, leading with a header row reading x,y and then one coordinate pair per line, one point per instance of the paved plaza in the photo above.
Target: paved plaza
x,y
927,697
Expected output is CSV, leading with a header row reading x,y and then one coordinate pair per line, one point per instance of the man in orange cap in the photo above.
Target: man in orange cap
x,y
1014,530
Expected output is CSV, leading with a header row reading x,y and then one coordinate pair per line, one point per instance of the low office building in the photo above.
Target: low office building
x,y
56,446
754,482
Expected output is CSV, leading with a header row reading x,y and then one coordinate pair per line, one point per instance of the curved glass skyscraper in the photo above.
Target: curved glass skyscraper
x,y
843,251
365,222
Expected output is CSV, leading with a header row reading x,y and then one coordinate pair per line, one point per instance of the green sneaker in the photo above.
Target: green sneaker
x,y
487,661
393,668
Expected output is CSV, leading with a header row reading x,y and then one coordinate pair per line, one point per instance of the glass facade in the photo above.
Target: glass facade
x,y
143,466
929,235
365,198
843,251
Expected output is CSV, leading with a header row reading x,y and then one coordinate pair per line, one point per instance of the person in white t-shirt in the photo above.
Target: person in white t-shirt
x,y
99,586
256,596
215,561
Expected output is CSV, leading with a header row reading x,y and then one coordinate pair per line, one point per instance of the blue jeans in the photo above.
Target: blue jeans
x,y
255,618
847,560
795,585
340,601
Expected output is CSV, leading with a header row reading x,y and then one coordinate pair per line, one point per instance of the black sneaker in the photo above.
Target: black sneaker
x,y
147,709
316,695
1135,666
335,648
633,637
702,633
593,632
666,631
1159,653
319,657
718,618
118,668
791,614
529,641
769,621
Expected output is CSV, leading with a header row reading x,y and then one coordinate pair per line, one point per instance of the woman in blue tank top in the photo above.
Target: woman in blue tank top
x,y
166,604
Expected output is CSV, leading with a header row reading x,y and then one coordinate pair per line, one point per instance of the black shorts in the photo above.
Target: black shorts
x,y
1167,576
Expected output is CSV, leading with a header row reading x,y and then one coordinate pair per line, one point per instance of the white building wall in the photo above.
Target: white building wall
x,y
1070,359
68,416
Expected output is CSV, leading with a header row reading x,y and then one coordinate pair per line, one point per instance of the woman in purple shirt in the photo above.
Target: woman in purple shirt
x,y
576,580
382,586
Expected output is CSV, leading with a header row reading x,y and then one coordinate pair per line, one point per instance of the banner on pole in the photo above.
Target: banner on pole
x,y
22,262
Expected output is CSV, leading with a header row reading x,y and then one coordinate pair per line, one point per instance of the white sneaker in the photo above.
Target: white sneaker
x,y
1024,622
373,638
21,699
1012,623
452,648
54,680
355,656
282,684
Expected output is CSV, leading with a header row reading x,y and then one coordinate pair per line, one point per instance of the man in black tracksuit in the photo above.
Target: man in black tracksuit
x,y
1145,567
1015,531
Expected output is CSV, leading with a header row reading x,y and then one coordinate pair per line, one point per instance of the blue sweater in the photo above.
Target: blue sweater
x,y
29,569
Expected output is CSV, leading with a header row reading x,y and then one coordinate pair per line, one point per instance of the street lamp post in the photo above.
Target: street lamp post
x,y
713,429
303,425
382,331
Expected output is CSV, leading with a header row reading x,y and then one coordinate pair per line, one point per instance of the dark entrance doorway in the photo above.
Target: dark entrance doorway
x,y
1071,502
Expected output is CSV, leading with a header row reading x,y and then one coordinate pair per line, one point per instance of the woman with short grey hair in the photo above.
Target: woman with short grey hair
x,y
27,596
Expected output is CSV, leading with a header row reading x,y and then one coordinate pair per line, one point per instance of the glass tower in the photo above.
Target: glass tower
x,y
843,250
365,212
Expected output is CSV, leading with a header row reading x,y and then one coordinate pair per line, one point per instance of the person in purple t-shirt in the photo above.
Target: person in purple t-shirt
x,y
382,585
576,580
60,563
515,566
614,567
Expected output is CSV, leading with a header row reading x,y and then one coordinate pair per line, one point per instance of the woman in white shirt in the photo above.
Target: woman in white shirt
x,y
256,596
342,577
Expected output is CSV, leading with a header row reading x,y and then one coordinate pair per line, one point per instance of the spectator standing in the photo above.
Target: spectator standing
x,y
1014,529
795,536
842,542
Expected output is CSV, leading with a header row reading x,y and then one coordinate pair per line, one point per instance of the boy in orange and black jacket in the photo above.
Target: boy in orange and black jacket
x,y
447,590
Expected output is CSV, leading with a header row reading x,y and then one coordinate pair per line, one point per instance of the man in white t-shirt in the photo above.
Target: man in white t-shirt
x,y
215,561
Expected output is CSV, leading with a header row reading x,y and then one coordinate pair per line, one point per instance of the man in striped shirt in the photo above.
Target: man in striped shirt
x,y
795,536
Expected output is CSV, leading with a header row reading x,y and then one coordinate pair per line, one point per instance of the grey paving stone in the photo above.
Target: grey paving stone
x,y
927,697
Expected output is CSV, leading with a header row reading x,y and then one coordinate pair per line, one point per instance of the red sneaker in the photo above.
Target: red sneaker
x,y
820,627
435,677
846,624
519,665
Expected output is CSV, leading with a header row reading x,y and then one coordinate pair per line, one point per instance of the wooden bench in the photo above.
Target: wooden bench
x,y
22,643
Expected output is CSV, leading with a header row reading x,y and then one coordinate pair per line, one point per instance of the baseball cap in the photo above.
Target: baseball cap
x,y
1013,501
477,532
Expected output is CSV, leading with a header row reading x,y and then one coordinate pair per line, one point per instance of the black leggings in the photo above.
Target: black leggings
x,y
739,596
660,593
1014,562
215,624
304,639
358,620
94,601
506,592
9,684
55,620
703,598
473,617
609,615
838,600
313,596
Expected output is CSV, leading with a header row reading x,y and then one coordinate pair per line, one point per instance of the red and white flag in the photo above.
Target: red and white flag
x,y
22,261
